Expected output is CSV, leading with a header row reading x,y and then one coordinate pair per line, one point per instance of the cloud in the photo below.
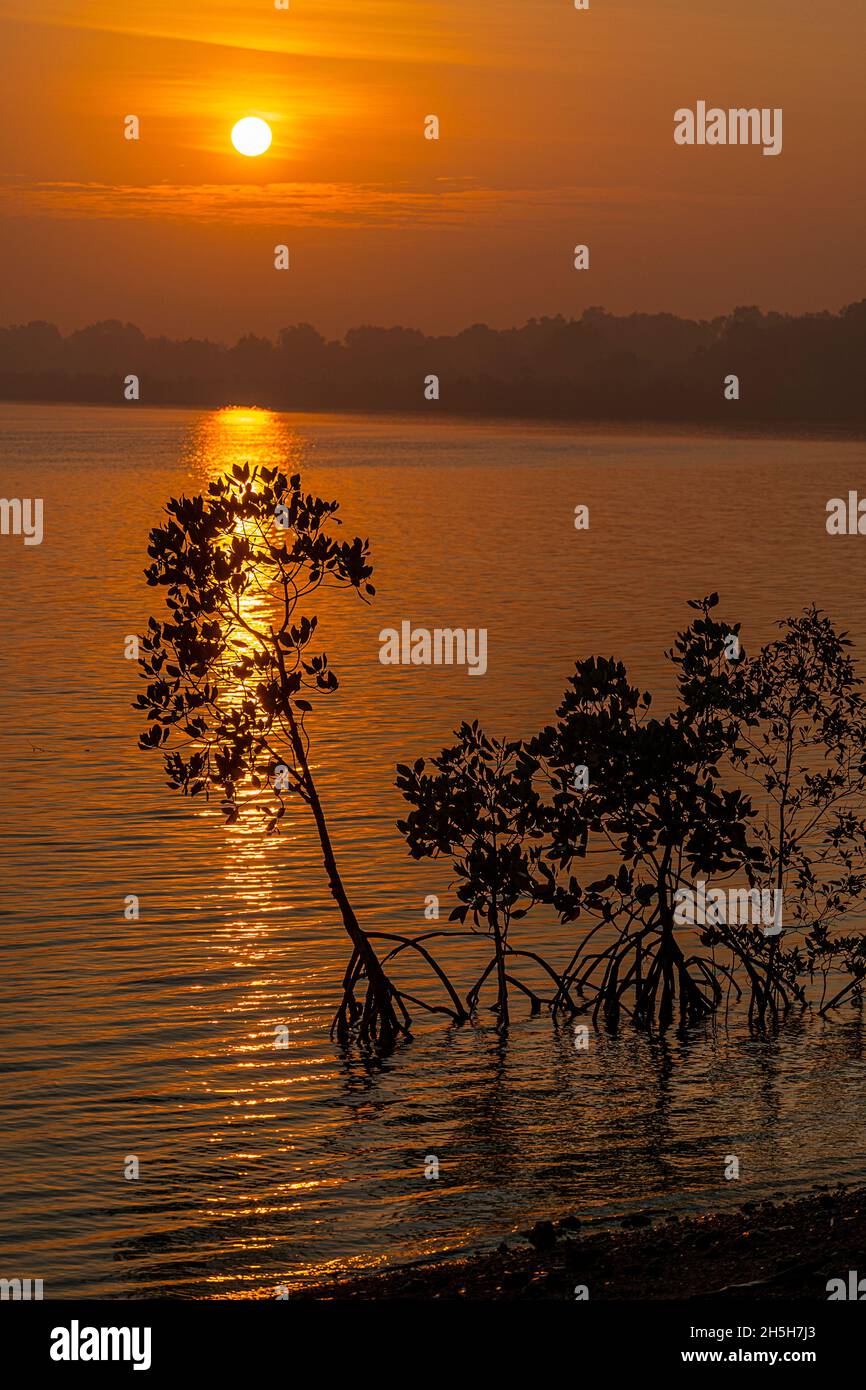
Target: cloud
x,y
451,202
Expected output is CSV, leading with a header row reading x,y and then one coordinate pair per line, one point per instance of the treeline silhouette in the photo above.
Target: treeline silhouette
x,y
792,369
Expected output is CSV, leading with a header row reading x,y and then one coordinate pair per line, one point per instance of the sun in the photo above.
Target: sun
x,y
251,136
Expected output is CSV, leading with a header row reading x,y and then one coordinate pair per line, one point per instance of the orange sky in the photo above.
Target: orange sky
x,y
557,128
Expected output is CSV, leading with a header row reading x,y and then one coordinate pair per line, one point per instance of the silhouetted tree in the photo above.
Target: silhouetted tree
x,y
666,798
655,802
803,745
229,671
479,808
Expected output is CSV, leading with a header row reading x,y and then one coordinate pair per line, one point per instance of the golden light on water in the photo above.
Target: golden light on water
x,y
242,434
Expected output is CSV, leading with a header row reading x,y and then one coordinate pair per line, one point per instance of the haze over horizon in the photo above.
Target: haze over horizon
x,y
556,129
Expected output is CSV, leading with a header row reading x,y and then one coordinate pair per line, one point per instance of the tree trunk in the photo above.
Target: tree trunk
x,y
502,982
378,1022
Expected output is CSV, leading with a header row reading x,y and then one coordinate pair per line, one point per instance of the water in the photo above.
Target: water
x,y
262,1167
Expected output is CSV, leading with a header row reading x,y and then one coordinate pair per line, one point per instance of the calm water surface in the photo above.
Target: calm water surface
x,y
155,1038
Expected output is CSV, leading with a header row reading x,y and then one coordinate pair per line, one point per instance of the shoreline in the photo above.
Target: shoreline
x,y
786,1250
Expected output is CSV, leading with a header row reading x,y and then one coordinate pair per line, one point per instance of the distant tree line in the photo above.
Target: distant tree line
x,y
792,369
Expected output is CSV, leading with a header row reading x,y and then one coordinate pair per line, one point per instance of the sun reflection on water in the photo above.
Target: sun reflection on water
x,y
242,434
252,864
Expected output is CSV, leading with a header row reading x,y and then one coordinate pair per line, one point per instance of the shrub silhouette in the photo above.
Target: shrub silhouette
x,y
480,808
669,799
759,772
802,746
657,803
